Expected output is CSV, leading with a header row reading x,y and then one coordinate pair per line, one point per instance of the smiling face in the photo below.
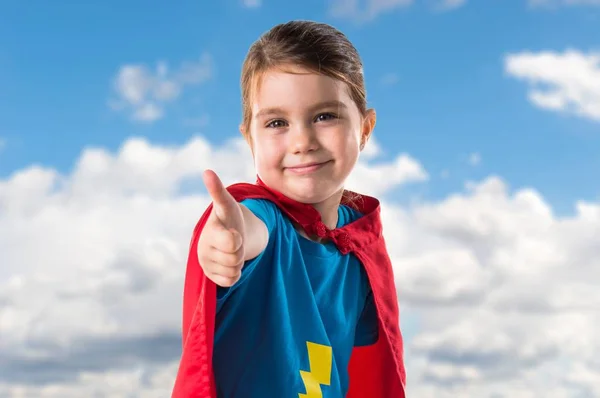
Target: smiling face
x,y
306,133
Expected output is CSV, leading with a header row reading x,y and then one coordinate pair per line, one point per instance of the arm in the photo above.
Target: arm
x,y
256,234
259,218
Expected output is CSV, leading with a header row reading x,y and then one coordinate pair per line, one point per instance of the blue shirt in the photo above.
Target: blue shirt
x,y
288,326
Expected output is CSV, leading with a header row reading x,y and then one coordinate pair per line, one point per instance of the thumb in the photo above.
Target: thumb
x,y
225,206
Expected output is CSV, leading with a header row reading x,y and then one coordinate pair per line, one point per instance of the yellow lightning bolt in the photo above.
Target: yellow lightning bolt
x,y
319,359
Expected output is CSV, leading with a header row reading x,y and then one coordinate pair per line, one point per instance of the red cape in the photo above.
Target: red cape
x,y
375,371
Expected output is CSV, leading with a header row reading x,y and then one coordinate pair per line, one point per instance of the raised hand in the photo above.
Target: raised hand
x,y
221,243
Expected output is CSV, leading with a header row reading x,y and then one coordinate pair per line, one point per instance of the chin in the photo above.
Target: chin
x,y
305,197
306,193
305,189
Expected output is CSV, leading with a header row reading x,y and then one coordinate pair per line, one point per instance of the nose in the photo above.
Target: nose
x,y
303,139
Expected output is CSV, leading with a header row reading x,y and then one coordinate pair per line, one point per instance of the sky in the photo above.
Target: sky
x,y
484,156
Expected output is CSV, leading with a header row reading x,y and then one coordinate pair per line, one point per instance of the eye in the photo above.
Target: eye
x,y
276,124
323,117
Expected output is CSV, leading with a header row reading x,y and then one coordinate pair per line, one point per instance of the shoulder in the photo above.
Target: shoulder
x,y
264,209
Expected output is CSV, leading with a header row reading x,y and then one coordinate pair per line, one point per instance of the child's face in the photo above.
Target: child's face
x,y
305,118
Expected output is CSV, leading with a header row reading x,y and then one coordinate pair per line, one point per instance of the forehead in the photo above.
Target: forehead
x,y
295,88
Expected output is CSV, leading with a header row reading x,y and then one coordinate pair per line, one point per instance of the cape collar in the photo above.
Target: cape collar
x,y
349,238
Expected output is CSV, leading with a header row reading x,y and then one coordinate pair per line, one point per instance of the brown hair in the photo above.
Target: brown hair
x,y
317,47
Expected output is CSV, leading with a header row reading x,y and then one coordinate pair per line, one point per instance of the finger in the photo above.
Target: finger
x,y
223,202
229,260
222,281
225,240
225,272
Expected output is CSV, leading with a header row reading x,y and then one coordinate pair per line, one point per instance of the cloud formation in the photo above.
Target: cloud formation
x,y
567,82
143,93
93,262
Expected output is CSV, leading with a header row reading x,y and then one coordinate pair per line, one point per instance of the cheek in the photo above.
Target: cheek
x,y
351,153
345,140
347,147
268,152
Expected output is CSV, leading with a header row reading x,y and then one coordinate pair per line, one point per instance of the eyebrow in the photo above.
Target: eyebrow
x,y
320,105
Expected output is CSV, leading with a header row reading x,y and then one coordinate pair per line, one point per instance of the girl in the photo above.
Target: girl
x,y
289,288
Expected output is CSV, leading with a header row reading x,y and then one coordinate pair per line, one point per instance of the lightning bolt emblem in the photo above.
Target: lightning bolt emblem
x,y
319,359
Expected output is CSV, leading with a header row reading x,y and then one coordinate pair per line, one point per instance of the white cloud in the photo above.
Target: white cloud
x,y
504,290
567,82
372,149
146,382
504,293
377,179
144,93
104,250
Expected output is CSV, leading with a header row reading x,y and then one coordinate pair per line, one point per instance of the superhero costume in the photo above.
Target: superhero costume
x,y
375,371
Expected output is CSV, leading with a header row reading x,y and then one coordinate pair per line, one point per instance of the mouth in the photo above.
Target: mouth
x,y
307,168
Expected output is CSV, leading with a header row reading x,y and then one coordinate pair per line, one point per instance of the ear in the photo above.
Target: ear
x,y
368,125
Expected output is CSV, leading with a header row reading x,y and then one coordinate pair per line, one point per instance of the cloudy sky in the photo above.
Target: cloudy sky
x,y
488,139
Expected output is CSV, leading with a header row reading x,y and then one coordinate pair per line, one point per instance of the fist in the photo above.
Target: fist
x,y
221,243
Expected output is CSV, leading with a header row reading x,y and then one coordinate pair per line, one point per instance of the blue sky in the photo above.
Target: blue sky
x,y
471,91
437,80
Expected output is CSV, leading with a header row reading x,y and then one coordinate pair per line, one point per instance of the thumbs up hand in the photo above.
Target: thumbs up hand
x,y
221,243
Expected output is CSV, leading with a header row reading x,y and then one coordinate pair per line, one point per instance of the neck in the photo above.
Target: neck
x,y
328,209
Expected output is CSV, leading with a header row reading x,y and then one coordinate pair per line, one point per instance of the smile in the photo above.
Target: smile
x,y
308,168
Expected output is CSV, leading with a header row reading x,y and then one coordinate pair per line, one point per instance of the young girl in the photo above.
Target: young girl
x,y
289,289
